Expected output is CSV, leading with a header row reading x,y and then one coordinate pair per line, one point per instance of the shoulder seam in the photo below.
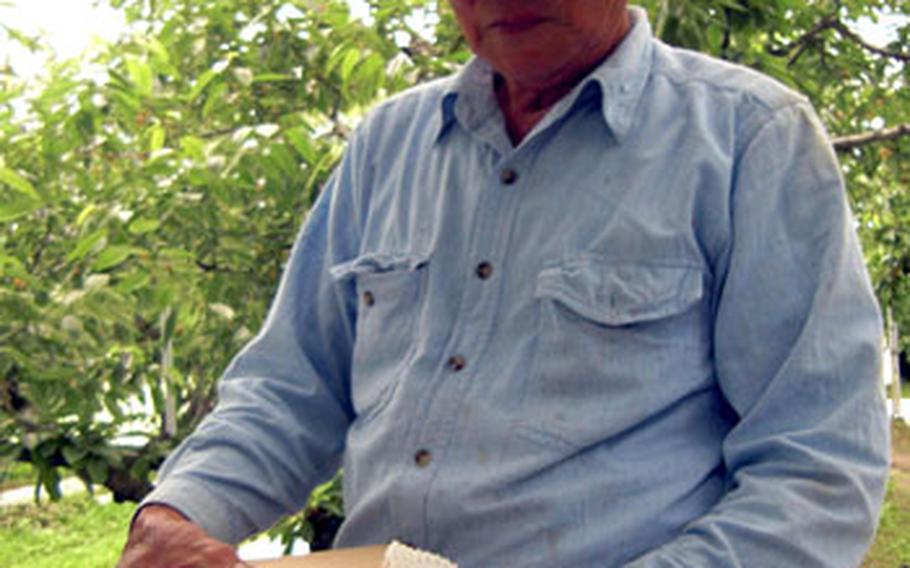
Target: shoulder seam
x,y
794,97
774,114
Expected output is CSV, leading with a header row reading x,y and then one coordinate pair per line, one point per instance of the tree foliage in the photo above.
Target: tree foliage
x,y
149,194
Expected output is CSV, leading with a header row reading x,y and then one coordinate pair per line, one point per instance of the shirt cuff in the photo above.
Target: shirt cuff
x,y
197,503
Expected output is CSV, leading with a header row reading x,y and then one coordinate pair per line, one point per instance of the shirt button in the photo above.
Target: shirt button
x,y
456,363
508,176
484,270
368,298
423,458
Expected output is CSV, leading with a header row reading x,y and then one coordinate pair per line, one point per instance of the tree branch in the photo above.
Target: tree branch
x,y
852,141
802,41
831,22
855,38
213,267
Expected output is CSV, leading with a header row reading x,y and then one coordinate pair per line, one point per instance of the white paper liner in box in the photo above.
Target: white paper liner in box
x,y
398,555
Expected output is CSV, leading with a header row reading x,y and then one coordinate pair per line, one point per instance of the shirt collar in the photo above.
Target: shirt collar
x,y
620,80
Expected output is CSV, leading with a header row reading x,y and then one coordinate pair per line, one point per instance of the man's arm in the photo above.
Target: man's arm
x,y
283,403
797,347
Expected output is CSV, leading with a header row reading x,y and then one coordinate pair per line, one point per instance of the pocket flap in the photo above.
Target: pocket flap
x,y
378,263
621,293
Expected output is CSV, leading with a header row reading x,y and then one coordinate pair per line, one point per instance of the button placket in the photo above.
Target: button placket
x,y
452,379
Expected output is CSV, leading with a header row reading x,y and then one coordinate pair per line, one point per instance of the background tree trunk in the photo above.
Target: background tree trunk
x,y
894,354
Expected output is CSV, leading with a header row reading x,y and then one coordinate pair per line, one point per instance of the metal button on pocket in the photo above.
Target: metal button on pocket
x,y
368,299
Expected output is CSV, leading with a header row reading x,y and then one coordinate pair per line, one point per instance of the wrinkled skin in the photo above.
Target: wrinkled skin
x,y
540,49
162,538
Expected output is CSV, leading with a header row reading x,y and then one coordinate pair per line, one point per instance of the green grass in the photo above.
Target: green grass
x,y
16,474
892,542
76,532
891,548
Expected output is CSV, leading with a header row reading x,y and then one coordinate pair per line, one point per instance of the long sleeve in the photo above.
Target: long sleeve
x,y
284,402
797,347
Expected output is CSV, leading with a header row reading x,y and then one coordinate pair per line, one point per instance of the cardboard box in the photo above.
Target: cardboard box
x,y
366,557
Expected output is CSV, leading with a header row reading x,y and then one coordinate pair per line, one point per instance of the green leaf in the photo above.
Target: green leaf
x,y
86,244
157,136
307,532
370,75
193,148
72,454
348,63
337,56
133,282
160,57
142,226
11,261
281,162
85,214
177,254
17,205
140,75
216,95
15,355
112,256
19,183
299,138
127,100
97,470
272,78
201,83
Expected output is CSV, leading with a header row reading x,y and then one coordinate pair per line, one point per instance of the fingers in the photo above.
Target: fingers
x,y
162,538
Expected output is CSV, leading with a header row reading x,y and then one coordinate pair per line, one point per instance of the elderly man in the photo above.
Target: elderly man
x,y
594,301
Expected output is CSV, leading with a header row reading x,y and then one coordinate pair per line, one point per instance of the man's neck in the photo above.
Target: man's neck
x,y
524,105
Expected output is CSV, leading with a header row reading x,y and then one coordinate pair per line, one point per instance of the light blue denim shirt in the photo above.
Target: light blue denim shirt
x,y
643,337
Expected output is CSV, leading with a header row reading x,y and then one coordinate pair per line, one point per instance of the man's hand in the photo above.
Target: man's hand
x,y
163,538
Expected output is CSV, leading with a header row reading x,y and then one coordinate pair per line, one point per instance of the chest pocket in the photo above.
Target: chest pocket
x,y
389,291
616,343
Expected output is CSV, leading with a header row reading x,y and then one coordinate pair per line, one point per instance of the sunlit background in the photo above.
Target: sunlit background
x,y
69,28
72,27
